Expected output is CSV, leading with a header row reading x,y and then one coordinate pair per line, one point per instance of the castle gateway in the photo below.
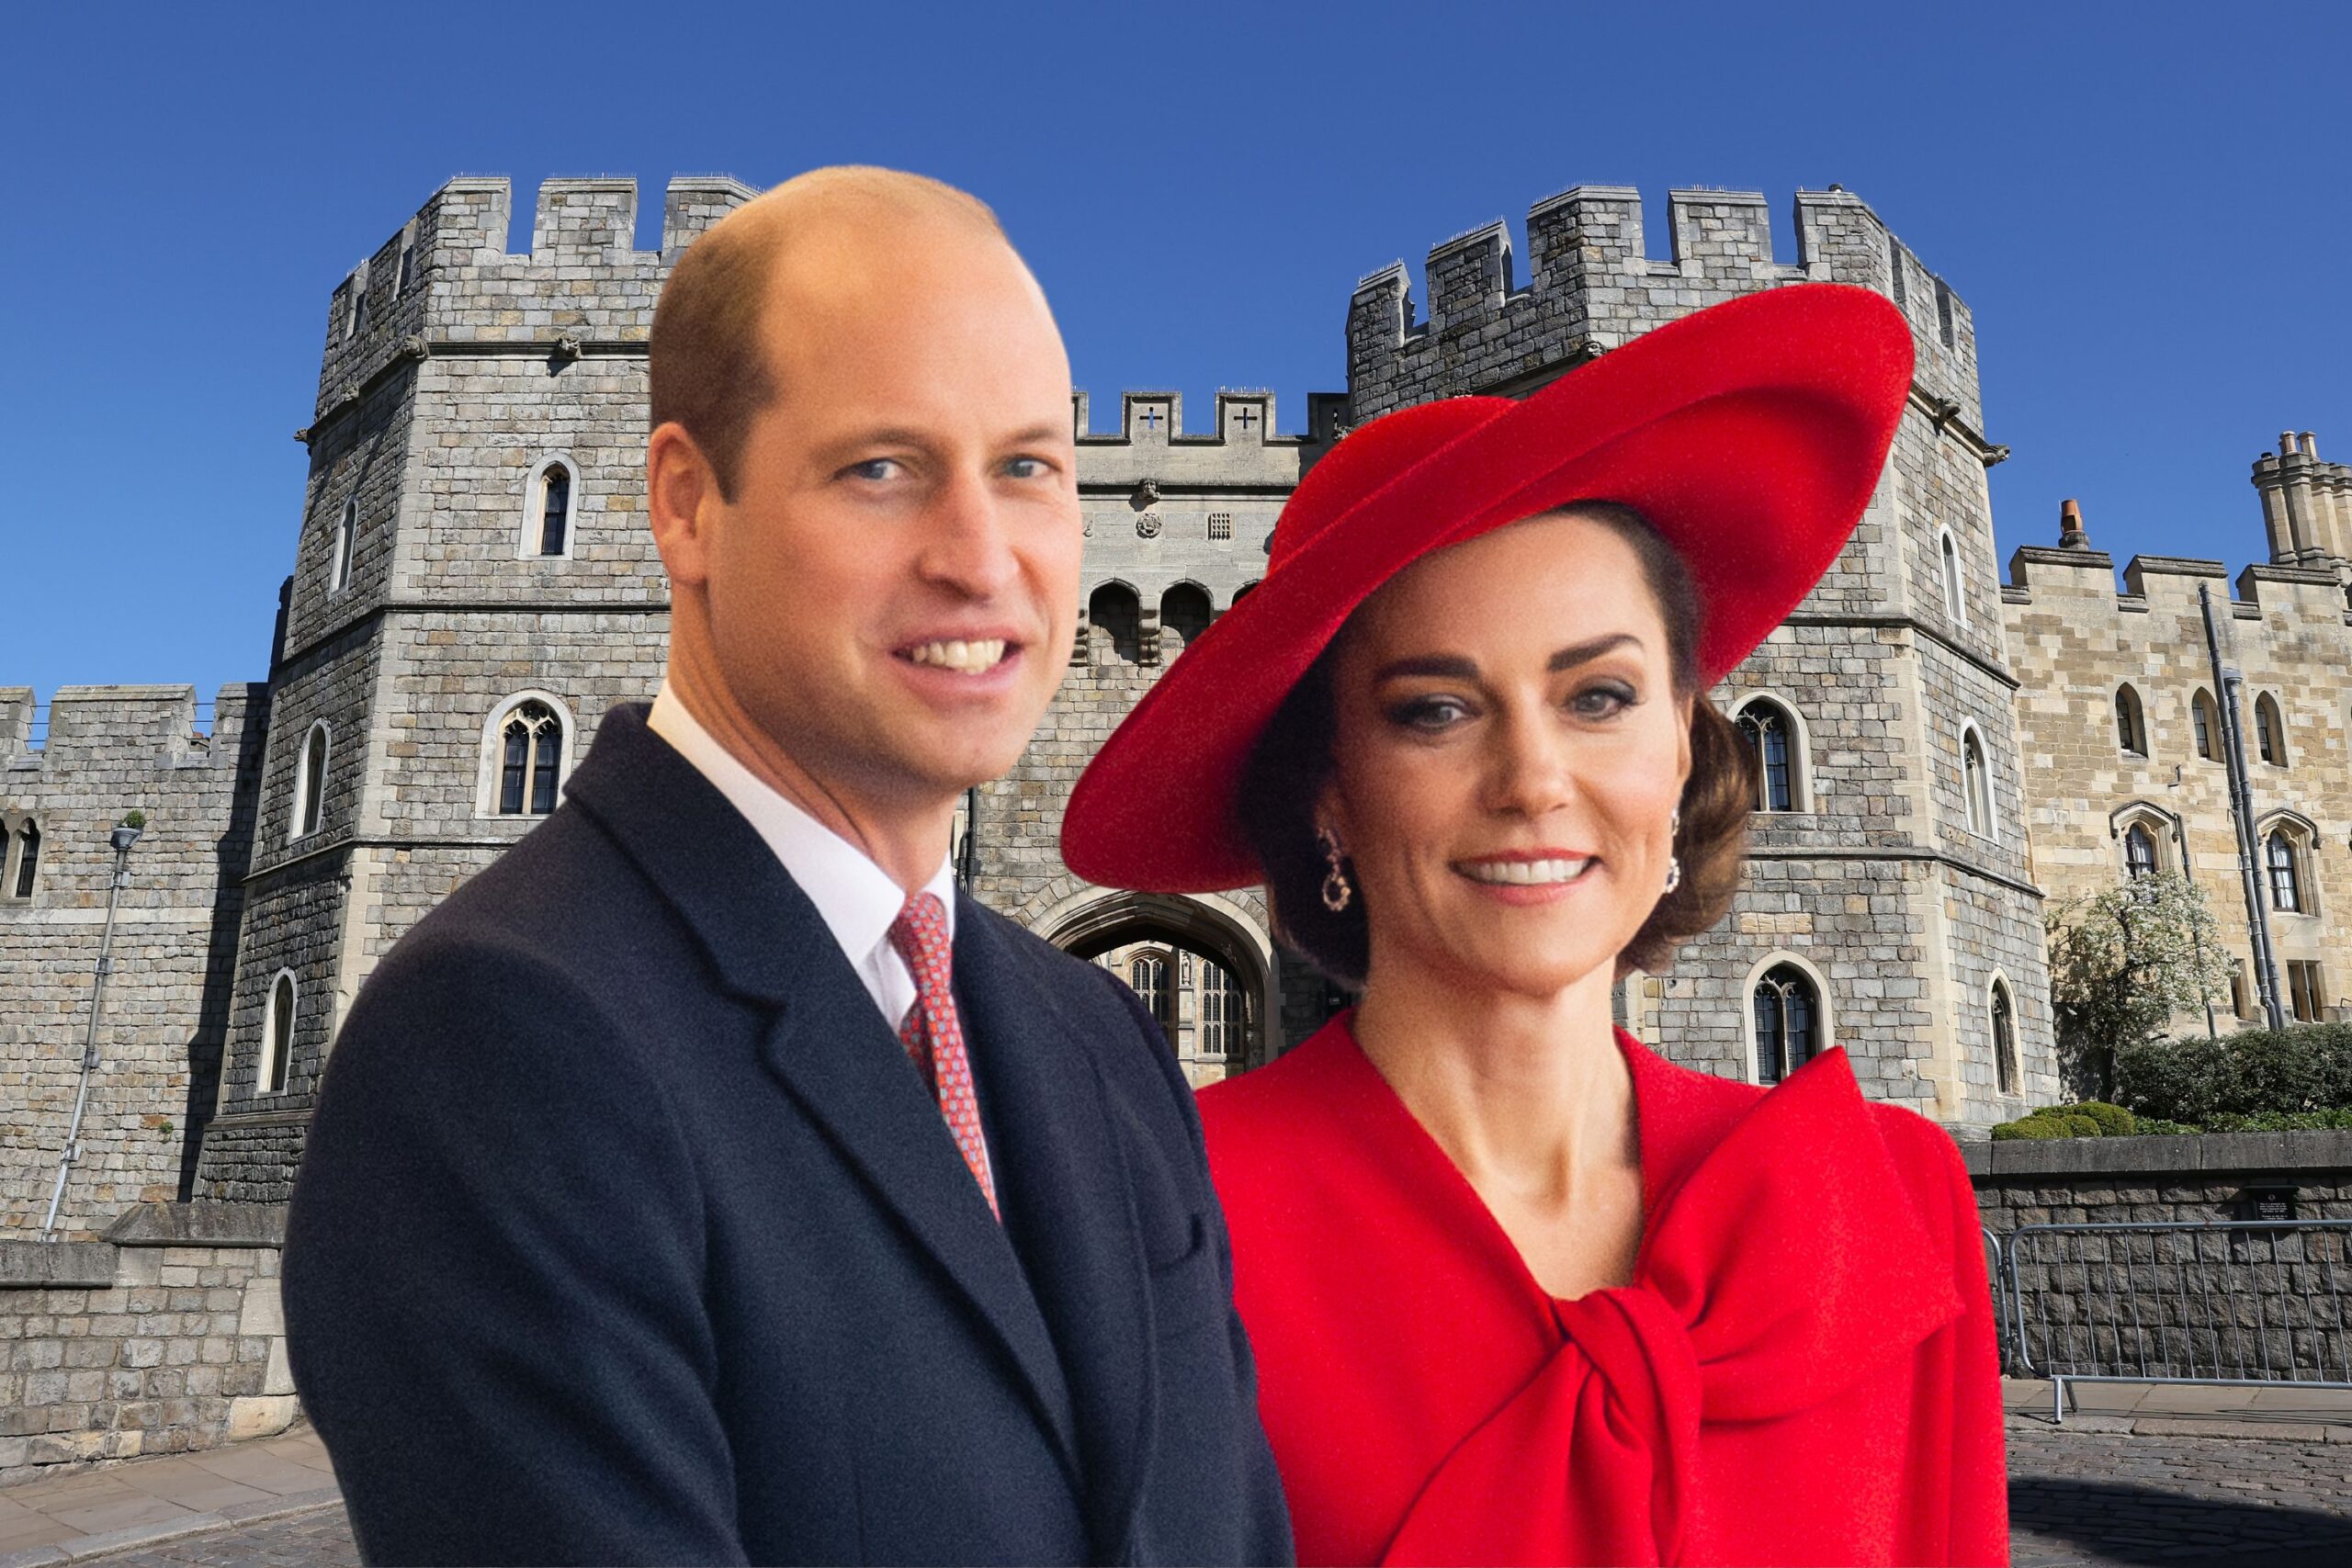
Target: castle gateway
x,y
474,586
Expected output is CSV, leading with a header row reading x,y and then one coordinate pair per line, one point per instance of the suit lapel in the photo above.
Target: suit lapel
x,y
827,1042
1067,1198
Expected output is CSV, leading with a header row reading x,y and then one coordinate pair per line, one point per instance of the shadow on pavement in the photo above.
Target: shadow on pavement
x,y
2116,1522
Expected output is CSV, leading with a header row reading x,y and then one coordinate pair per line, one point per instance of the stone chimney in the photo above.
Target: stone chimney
x,y
2070,526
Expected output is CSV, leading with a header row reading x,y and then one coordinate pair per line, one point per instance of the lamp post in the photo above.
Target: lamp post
x,y
121,839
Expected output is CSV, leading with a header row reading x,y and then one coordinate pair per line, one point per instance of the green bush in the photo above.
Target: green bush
x,y
2093,1118
2254,1072
2279,1120
2142,1126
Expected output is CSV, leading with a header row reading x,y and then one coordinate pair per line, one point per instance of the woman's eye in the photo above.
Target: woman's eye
x,y
1602,702
1429,714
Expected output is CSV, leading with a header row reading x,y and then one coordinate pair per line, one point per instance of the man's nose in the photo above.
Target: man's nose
x,y
967,543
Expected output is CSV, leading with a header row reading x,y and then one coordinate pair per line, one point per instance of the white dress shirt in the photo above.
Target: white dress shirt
x,y
858,899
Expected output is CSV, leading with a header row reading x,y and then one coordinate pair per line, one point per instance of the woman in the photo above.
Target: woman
x,y
1522,1291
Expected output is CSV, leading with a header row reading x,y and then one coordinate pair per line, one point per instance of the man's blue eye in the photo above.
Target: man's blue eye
x,y
873,468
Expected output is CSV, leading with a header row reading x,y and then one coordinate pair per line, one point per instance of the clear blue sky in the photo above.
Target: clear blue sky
x,y
2149,208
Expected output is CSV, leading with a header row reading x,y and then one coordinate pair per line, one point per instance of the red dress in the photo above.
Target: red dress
x,y
1802,1370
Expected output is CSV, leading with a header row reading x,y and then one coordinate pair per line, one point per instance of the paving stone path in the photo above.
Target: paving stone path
x,y
2100,1498
2088,1498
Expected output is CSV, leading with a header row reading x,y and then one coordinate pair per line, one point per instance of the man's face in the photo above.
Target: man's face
x,y
892,589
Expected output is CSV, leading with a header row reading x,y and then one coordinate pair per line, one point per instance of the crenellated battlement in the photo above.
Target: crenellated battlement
x,y
1240,448
1592,284
110,728
445,281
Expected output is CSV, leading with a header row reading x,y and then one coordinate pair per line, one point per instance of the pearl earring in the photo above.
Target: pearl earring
x,y
1337,890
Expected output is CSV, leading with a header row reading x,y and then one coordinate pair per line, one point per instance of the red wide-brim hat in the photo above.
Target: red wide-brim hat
x,y
1751,433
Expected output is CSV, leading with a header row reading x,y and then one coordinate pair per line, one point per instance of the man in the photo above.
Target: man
x,y
710,1179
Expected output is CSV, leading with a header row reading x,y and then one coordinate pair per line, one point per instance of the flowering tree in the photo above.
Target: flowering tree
x,y
2122,963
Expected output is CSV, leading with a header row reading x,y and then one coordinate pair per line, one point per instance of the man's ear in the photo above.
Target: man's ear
x,y
682,495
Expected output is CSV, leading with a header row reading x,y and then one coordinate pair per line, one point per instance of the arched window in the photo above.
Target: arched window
x,y
2130,722
1243,591
1788,1023
1115,609
310,782
2270,732
2205,719
1149,975
358,322
1221,1011
277,1037
27,859
553,513
2139,851
346,535
1184,610
1977,784
407,273
530,752
2286,875
2005,1040
1955,605
1771,732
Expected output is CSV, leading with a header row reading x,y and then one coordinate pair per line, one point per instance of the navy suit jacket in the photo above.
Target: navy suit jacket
x,y
626,1232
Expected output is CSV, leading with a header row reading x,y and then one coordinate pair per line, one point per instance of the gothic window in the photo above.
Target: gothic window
x,y
1220,525
407,273
2005,1039
1955,607
1243,591
2306,1001
309,781
27,859
2286,875
1221,1011
2130,722
2237,990
552,515
1771,732
1977,784
1114,609
2206,721
345,534
1944,324
2270,733
1149,975
530,751
1895,267
358,321
1184,610
278,1040
2139,851
1788,1023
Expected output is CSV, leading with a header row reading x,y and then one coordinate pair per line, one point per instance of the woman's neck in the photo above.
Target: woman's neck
x,y
1529,1095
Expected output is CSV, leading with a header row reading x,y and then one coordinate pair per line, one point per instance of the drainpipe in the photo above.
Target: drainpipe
x,y
122,838
2257,913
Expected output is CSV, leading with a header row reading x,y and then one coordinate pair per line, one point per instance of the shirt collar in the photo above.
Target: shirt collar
x,y
856,899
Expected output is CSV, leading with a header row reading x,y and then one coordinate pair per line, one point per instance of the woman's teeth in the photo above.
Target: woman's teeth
x,y
1525,872
968,657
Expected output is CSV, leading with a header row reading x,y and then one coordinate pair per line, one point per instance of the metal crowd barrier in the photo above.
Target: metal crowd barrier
x,y
2233,1303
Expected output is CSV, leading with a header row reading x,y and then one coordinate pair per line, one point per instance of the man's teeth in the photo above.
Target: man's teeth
x,y
1526,873
968,657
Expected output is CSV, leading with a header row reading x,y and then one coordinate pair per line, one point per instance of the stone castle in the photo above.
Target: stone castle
x,y
474,586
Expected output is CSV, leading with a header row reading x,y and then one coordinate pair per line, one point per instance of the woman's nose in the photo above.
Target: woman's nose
x,y
1530,769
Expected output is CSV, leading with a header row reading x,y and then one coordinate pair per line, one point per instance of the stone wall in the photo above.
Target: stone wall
x,y
111,750
2080,640
2237,1303
166,1336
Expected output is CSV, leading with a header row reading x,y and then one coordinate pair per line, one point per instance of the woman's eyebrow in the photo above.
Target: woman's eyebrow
x,y
1579,653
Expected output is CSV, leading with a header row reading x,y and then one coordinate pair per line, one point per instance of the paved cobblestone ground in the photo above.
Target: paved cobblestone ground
x,y
2074,1498
2098,1498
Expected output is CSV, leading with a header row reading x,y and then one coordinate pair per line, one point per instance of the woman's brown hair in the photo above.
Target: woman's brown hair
x,y
1292,761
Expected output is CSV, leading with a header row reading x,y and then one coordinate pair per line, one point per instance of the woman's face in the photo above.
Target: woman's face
x,y
1509,754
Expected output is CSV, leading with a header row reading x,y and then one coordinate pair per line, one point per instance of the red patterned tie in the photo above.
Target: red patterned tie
x,y
934,1037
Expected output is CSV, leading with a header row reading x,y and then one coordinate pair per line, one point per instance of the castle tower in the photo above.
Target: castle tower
x,y
474,586
1889,905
